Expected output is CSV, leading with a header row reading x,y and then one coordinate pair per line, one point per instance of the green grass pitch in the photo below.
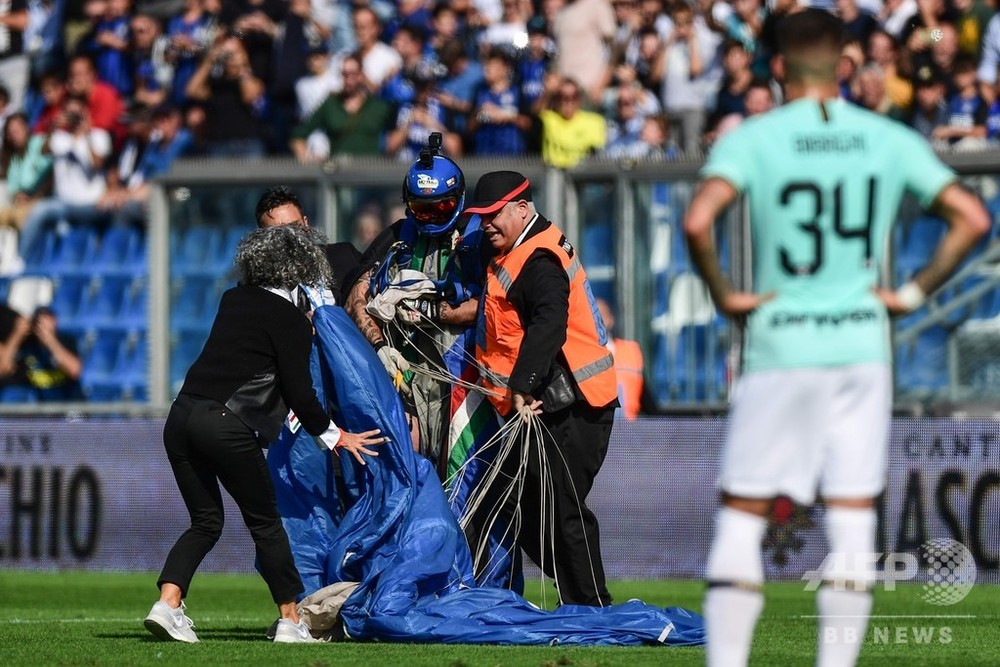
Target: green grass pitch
x,y
96,619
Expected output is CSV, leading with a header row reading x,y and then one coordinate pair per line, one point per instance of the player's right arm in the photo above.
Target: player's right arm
x,y
712,198
968,221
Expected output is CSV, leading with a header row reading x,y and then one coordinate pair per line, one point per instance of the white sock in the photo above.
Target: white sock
x,y
843,609
735,573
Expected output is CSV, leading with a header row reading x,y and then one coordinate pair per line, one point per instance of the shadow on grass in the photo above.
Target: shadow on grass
x,y
220,634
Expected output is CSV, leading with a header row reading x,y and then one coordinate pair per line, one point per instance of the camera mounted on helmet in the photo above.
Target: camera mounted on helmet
x,y
434,190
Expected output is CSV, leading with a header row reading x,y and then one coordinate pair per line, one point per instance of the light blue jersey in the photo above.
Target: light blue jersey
x,y
824,190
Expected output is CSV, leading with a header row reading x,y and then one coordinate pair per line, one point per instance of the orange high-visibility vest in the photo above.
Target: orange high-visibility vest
x,y
628,368
500,331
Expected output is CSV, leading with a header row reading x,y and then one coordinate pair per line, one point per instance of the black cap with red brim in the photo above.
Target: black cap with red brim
x,y
498,188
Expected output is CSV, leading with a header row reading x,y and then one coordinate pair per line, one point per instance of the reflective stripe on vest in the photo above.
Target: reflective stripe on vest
x,y
501,333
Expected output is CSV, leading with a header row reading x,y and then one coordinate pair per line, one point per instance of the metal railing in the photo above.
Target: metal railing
x,y
636,202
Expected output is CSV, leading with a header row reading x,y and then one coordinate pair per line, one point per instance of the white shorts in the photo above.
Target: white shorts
x,y
793,430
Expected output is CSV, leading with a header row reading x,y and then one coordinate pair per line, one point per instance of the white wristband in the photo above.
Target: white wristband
x,y
911,296
330,438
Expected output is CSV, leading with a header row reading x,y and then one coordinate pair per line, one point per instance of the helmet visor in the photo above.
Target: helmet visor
x,y
433,211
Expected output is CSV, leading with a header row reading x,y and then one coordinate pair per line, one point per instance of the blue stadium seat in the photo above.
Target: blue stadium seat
x,y
103,309
135,311
18,394
679,262
134,369
197,252
597,253
100,379
227,249
114,251
923,364
67,300
73,252
915,244
186,348
195,305
689,381
40,254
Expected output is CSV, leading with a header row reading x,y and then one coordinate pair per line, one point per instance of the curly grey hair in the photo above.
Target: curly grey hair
x,y
283,256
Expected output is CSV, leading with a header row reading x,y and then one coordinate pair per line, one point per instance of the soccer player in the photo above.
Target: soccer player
x,y
824,180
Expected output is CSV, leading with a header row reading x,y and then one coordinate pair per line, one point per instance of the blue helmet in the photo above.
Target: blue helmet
x,y
434,193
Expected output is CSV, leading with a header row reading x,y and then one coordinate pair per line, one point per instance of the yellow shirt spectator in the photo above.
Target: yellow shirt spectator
x,y
569,134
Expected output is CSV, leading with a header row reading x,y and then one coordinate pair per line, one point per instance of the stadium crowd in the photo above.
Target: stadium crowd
x,y
560,78
100,96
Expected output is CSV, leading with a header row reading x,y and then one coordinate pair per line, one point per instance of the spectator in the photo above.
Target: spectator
x,y
412,13
312,89
297,34
851,60
417,119
736,79
498,126
628,365
919,31
651,141
583,31
444,28
746,25
884,52
510,32
993,122
973,17
24,167
869,92
128,200
353,120
895,15
458,90
37,357
190,35
52,89
930,108
332,19
379,60
967,109
858,24
233,100
367,226
104,104
759,99
409,44
43,36
109,47
534,62
79,151
568,133
14,65
626,108
153,74
628,22
944,50
683,70
255,23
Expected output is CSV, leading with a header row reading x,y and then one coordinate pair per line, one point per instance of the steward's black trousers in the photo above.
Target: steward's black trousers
x,y
552,512
207,444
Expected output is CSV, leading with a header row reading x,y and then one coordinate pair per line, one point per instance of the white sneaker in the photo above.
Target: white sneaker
x,y
292,633
169,624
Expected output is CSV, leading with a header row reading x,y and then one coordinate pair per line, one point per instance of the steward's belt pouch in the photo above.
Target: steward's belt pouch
x,y
559,393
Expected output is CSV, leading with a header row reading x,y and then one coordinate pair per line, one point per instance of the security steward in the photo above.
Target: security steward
x,y
542,343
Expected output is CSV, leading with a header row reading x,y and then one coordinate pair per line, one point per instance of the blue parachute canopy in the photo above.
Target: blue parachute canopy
x,y
388,526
